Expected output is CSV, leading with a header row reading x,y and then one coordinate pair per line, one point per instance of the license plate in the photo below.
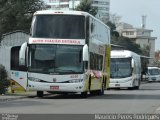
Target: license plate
x,y
117,85
54,87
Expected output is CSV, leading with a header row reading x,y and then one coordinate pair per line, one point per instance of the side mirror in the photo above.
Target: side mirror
x,y
85,56
22,54
85,53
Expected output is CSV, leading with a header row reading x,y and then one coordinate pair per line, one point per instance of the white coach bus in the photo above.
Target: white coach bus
x,y
68,51
125,69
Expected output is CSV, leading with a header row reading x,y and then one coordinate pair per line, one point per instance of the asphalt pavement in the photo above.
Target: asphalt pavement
x,y
17,95
24,94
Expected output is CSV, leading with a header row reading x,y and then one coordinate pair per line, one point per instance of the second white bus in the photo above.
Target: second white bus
x,y
125,69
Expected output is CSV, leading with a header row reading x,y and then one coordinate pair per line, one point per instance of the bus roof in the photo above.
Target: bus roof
x,y
153,67
122,54
69,12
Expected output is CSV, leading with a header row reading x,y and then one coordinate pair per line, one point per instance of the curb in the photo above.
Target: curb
x,y
11,99
15,96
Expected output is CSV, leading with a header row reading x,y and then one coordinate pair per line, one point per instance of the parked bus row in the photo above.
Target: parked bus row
x,y
69,52
125,69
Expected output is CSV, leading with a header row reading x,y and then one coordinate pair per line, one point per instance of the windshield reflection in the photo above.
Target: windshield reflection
x,y
58,26
55,59
153,72
120,67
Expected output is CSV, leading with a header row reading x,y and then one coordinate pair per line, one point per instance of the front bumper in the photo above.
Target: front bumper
x,y
56,87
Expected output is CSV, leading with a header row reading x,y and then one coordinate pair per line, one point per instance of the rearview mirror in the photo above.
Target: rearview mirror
x,y
132,63
22,54
85,52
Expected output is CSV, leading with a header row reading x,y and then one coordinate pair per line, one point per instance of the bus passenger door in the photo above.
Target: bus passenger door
x,y
18,74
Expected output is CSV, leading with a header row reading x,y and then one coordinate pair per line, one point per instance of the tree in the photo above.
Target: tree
x,y
86,5
127,43
146,50
4,82
112,26
17,14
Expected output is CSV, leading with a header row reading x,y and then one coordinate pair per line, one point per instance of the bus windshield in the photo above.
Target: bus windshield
x,y
153,71
55,59
120,67
58,26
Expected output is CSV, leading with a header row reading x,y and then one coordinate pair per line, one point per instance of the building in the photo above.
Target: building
x,y
141,36
15,38
9,40
62,4
157,56
57,4
102,6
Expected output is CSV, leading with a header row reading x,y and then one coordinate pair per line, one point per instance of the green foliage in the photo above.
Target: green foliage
x,y
85,5
4,82
127,43
17,14
146,50
112,26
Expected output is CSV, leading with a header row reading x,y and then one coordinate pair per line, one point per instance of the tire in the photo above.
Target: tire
x,y
130,88
101,92
108,88
102,89
89,85
40,94
136,88
84,94
93,92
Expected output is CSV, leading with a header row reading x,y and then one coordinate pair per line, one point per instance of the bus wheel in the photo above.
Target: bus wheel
x,y
130,88
84,94
89,84
101,91
136,88
39,93
102,88
108,88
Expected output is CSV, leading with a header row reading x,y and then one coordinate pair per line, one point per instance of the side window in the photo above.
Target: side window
x,y
15,59
87,30
100,62
91,61
96,61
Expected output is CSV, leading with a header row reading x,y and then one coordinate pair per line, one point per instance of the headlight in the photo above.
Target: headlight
x,y
75,80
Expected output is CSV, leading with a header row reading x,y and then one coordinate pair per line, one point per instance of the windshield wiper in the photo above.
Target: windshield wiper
x,y
62,70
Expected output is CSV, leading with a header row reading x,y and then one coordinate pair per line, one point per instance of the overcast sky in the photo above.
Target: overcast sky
x,y
131,12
